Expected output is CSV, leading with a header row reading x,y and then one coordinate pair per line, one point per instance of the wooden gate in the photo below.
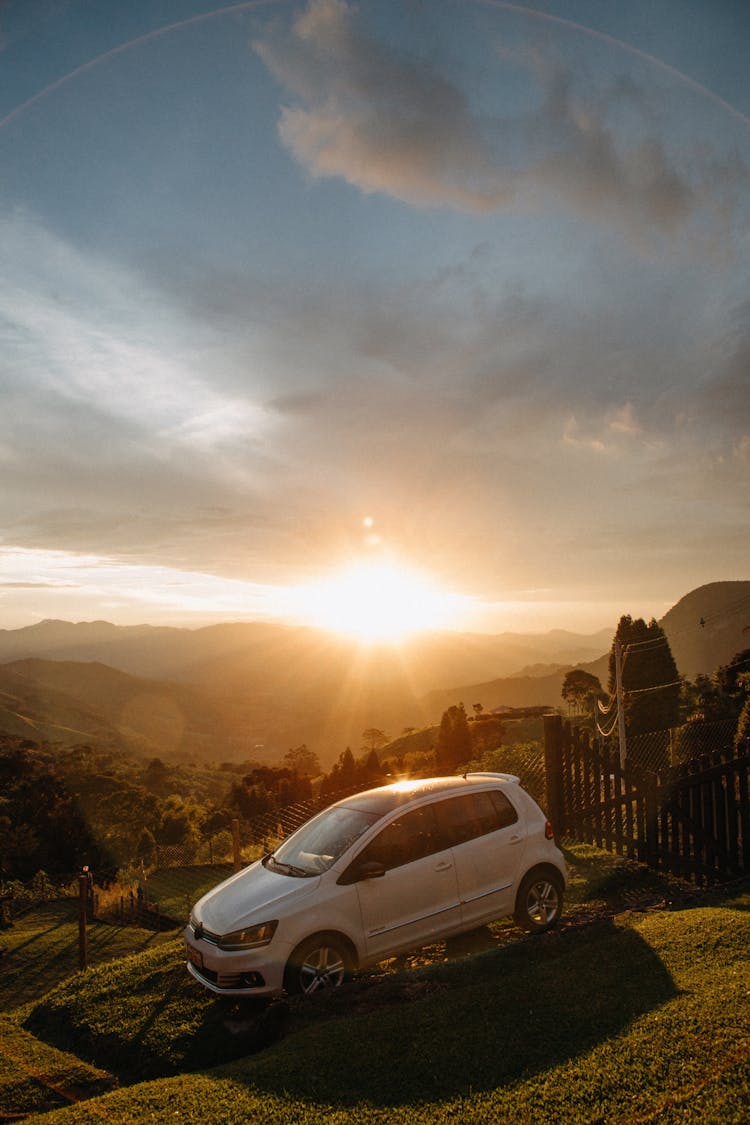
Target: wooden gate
x,y
692,820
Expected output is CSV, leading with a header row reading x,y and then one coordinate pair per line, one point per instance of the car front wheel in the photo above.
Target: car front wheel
x,y
320,963
539,902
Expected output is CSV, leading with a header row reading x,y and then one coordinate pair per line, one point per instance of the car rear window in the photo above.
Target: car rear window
x,y
471,815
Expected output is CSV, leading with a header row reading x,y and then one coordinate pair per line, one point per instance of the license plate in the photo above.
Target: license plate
x,y
194,956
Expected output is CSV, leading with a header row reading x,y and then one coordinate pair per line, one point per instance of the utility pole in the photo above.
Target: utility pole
x,y
620,705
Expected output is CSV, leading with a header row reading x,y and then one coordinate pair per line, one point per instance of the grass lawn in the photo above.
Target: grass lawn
x,y
177,888
642,1017
40,951
35,1077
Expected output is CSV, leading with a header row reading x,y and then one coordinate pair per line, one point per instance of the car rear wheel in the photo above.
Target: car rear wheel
x,y
320,963
539,901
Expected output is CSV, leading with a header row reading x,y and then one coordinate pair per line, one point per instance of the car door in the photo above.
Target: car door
x,y
416,900
488,839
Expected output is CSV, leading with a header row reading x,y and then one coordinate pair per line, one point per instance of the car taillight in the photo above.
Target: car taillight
x,y
549,831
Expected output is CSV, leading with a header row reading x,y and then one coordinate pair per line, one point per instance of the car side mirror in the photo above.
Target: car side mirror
x,y
358,872
370,870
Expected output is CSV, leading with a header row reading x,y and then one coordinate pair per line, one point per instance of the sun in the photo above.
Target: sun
x,y
379,602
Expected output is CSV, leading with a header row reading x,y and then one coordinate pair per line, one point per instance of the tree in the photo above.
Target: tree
x,y
729,677
347,769
580,689
650,679
742,738
43,826
374,739
178,824
303,761
453,746
343,775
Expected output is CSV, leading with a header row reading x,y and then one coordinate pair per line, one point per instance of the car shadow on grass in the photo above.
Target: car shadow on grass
x,y
475,1021
476,1024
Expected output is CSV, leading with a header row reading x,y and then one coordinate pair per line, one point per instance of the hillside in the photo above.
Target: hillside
x,y
709,626
513,691
254,690
621,1018
42,713
74,703
240,691
191,655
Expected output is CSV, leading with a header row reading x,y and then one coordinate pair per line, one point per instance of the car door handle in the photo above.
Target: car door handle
x,y
444,866
515,839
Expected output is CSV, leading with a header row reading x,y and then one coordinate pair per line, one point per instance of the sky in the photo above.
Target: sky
x,y
460,288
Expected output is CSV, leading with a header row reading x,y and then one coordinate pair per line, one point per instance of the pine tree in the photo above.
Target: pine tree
x,y
650,678
453,746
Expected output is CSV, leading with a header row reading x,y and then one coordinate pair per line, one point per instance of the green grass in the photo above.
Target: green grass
x,y
35,1077
141,1016
177,888
640,1018
41,949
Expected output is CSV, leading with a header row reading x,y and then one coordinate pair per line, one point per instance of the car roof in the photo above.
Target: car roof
x,y
388,797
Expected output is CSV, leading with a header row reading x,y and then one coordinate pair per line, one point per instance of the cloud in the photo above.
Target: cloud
x,y
379,118
85,334
387,121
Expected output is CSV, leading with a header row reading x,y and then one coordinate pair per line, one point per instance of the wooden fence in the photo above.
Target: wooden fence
x,y
692,820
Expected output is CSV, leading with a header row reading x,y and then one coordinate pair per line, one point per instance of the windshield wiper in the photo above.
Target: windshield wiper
x,y
288,868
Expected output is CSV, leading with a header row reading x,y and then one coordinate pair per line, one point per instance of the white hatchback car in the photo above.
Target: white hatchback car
x,y
374,875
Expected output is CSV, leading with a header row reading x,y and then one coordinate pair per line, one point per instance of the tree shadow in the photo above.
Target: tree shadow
x,y
485,1022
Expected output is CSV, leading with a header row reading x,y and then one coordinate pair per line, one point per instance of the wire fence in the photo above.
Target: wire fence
x,y
660,749
17,896
674,809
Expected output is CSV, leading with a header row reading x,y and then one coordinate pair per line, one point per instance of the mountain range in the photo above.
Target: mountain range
x,y
253,690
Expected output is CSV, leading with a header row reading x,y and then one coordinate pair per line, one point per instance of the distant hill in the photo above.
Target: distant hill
x,y
705,629
77,703
254,690
231,692
709,626
43,714
513,691
190,654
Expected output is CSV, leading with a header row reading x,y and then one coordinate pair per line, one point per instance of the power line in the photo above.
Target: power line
x,y
605,708
607,733
656,687
651,643
741,603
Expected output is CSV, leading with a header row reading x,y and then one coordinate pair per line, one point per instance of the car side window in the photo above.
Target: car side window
x,y
504,810
473,814
410,837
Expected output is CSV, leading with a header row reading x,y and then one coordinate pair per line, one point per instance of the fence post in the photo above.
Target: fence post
x,y
236,844
652,820
83,895
553,771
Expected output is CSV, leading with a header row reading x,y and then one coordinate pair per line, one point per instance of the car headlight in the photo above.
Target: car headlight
x,y
250,938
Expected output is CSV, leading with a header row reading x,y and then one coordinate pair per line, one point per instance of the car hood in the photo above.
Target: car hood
x,y
254,895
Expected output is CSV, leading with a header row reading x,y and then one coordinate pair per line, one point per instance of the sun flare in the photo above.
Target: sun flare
x,y
379,602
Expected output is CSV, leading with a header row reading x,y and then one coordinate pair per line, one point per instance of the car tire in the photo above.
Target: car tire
x,y
539,901
318,964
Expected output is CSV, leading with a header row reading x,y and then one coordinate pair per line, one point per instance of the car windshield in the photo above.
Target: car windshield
x,y
314,847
